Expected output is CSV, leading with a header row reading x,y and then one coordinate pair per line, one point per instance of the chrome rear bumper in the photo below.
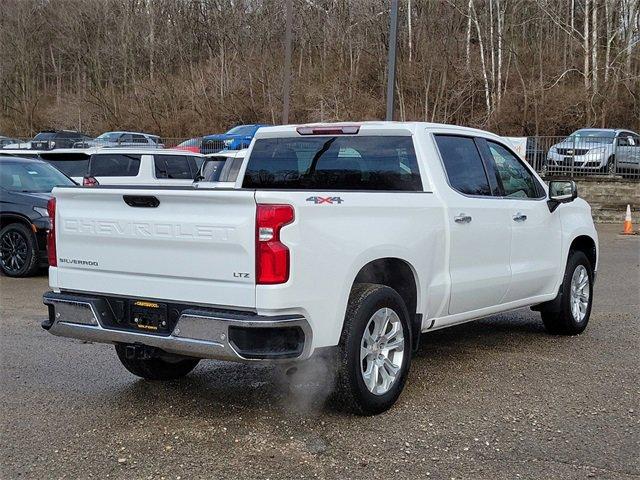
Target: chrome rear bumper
x,y
200,333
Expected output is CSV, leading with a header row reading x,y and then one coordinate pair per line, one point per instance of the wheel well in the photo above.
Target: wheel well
x,y
394,273
586,245
7,219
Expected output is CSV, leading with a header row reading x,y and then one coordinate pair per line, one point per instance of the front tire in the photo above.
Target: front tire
x,y
155,364
18,251
374,353
574,309
611,166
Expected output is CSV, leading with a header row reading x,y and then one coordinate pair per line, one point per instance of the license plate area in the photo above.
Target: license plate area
x,y
150,317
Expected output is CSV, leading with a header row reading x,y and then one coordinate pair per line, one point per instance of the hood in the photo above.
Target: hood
x,y
226,136
219,136
584,144
34,199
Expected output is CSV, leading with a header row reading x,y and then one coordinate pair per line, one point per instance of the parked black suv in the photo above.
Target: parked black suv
x,y
50,139
25,188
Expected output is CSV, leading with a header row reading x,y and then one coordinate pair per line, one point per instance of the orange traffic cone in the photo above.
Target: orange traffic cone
x,y
628,226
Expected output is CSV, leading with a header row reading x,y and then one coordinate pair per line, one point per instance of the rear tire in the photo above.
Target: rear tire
x,y
374,354
18,251
161,366
574,309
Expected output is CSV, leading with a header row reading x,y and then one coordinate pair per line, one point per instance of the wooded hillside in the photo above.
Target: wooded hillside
x,y
185,67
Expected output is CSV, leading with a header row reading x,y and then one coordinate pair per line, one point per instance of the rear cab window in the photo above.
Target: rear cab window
x,y
114,165
344,162
71,164
173,166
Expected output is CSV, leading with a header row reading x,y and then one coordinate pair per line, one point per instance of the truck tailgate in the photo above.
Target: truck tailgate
x,y
195,246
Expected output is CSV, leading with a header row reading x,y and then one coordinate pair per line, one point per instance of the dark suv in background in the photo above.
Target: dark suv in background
x,y
50,139
25,188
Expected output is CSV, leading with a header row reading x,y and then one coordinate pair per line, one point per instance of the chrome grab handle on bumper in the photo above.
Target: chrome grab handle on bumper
x,y
519,217
462,218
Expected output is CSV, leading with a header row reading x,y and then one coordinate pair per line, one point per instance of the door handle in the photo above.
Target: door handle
x,y
462,218
519,217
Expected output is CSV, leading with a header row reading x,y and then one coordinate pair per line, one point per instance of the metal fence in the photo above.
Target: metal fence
x,y
610,156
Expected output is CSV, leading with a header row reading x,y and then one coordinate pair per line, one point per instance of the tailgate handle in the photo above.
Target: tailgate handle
x,y
142,201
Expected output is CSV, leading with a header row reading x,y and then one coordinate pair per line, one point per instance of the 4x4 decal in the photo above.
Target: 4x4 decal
x,y
330,200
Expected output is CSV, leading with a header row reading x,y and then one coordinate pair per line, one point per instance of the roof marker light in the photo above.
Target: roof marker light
x,y
329,130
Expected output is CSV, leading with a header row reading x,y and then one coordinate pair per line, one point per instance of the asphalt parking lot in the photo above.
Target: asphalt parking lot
x,y
498,398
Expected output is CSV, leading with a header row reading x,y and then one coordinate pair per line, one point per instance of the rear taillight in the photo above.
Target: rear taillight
x,y
51,235
272,256
89,181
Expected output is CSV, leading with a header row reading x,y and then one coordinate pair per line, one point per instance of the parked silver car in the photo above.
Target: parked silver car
x,y
609,151
123,139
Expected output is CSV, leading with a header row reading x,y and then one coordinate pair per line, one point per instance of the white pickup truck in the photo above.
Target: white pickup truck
x,y
339,242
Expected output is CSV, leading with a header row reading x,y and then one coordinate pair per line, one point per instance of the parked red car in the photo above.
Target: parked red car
x,y
192,145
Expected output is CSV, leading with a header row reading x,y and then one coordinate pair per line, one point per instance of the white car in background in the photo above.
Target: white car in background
x,y
17,146
126,166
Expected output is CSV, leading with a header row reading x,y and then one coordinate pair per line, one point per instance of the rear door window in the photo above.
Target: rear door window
x,y
463,165
114,165
334,163
71,164
172,166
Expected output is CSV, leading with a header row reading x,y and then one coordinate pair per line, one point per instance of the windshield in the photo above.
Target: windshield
x,y
109,136
71,164
242,130
31,177
592,136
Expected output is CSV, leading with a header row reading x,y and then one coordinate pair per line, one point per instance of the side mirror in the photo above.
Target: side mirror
x,y
561,191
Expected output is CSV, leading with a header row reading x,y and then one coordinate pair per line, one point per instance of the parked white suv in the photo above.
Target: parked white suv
x,y
126,166
340,243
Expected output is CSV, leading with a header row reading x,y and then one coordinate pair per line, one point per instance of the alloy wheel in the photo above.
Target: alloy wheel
x,y
14,251
382,351
580,292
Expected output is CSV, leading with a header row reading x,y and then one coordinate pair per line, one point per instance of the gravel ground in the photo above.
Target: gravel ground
x,y
494,399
